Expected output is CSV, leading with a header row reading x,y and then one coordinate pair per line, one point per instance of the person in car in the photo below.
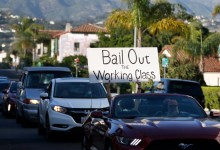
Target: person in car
x,y
170,108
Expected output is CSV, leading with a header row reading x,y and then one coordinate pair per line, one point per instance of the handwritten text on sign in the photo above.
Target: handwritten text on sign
x,y
123,64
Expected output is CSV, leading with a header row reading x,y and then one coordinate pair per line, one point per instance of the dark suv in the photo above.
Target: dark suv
x,y
187,87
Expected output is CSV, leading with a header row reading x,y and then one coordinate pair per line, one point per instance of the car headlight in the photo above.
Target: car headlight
x,y
30,101
128,141
59,109
34,101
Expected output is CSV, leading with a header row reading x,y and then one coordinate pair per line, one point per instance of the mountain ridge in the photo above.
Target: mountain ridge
x,y
81,11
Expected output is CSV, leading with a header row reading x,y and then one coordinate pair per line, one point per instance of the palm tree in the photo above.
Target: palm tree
x,y
144,15
216,11
26,32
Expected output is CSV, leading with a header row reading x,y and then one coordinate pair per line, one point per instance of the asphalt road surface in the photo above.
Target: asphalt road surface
x,y
14,137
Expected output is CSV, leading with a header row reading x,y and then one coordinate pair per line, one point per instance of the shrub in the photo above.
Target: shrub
x,y
212,97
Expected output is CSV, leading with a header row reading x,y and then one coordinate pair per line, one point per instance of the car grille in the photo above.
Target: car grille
x,y
184,145
78,113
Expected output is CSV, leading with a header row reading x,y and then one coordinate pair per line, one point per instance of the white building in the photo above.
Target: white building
x,y
72,41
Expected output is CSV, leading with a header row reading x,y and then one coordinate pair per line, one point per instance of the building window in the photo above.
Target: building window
x,y
38,51
76,47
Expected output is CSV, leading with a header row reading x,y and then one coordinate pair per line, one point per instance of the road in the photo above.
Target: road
x,y
14,137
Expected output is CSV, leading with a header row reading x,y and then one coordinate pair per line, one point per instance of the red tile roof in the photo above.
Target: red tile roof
x,y
52,33
88,28
211,64
180,54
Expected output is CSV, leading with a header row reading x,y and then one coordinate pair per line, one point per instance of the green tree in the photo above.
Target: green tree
x,y
144,15
216,11
82,68
118,37
26,34
47,61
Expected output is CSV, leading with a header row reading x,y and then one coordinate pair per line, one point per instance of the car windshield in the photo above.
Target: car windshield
x,y
79,90
41,79
157,106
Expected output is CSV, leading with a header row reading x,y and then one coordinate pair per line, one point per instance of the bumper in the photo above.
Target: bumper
x,y
62,122
30,112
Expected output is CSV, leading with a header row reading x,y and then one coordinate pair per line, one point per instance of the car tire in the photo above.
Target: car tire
x,y
49,133
24,121
41,129
108,146
84,144
17,117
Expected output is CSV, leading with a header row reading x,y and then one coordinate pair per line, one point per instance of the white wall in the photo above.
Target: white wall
x,y
2,55
212,78
15,61
66,44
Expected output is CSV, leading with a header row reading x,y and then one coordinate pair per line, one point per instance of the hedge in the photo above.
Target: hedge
x,y
212,97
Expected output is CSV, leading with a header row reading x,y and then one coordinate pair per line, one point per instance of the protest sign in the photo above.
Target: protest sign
x,y
123,64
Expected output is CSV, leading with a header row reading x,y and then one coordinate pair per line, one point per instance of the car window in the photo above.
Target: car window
x,y
79,90
188,88
42,79
157,106
13,87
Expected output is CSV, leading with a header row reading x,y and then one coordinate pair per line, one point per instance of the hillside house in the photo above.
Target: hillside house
x,y
211,66
72,41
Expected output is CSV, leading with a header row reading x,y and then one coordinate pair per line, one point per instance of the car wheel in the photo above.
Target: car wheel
x,y
85,145
49,133
108,146
24,121
18,118
41,129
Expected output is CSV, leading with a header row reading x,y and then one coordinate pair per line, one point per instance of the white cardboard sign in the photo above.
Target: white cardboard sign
x,y
123,64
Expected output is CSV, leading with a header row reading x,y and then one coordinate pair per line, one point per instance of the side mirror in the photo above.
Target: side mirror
x,y
44,95
19,84
96,114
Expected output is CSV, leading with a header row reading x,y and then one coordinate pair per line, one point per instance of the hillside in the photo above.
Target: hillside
x,y
79,11
62,10
198,7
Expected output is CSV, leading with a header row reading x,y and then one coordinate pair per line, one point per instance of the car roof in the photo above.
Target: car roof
x,y
176,79
71,79
46,69
146,94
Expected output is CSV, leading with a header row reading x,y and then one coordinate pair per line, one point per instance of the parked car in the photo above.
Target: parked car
x,y
66,103
149,121
172,85
33,81
9,99
4,84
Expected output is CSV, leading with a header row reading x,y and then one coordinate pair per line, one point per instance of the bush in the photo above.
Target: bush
x,y
212,97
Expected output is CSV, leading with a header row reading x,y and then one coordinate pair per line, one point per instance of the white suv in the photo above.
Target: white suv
x,y
66,103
